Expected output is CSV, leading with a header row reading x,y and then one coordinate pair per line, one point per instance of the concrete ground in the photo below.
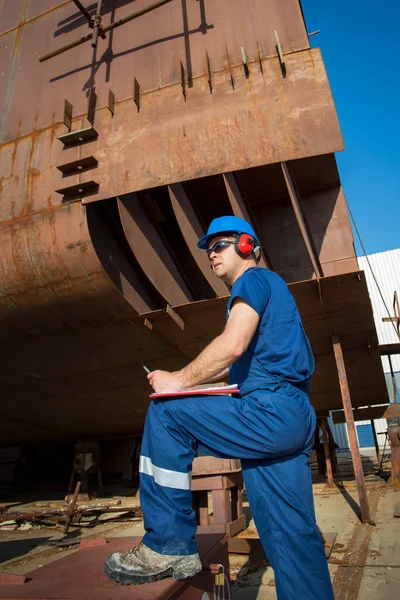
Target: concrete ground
x,y
364,563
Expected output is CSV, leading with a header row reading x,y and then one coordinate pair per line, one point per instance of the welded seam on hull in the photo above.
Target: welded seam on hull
x,y
35,17
12,68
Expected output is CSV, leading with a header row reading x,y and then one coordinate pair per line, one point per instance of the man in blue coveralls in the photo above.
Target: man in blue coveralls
x,y
270,427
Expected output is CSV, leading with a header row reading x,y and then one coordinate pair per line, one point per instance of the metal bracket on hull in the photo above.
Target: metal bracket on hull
x,y
136,93
244,61
111,102
91,106
77,167
183,80
280,53
67,120
175,317
79,191
78,137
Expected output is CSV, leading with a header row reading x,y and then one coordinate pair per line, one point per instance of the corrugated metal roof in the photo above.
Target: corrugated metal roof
x,y
386,267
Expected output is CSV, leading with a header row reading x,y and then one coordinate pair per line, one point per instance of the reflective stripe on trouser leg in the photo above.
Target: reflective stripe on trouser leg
x,y
165,494
165,477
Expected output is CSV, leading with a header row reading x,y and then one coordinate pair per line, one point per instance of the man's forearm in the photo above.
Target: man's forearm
x,y
211,364
219,377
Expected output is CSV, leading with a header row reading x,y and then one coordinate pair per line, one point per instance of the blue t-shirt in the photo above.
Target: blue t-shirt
x,y
279,345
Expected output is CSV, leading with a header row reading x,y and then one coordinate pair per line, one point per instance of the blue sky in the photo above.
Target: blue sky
x,y
360,41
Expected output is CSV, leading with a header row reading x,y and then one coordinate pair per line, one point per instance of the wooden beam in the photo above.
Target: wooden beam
x,y
192,230
360,414
301,222
239,209
351,428
151,252
389,349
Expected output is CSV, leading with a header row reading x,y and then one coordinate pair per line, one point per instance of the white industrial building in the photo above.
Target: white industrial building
x,y
385,266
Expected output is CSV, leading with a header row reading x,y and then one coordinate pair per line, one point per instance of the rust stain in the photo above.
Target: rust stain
x,y
83,246
29,179
25,216
13,155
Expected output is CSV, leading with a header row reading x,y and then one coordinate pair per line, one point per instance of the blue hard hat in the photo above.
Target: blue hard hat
x,y
225,225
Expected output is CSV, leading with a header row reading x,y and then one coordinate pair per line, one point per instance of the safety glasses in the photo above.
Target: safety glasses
x,y
219,246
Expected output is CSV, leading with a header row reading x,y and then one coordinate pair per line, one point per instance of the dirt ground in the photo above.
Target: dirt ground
x,y
364,562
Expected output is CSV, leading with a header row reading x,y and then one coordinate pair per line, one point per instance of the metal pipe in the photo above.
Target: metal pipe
x,y
118,23
378,454
97,23
355,451
301,222
393,379
83,11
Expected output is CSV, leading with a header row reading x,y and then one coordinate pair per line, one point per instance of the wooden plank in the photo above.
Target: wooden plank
x,y
361,414
192,230
389,349
151,252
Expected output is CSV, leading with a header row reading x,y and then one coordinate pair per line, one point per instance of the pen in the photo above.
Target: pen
x,y
146,369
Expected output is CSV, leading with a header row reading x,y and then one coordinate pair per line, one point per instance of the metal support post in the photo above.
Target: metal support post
x,y
97,28
105,29
329,473
378,454
393,379
355,452
83,11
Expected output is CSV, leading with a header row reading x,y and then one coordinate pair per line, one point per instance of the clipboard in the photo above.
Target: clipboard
x,y
225,390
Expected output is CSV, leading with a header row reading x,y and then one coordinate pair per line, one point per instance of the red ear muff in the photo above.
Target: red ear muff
x,y
244,245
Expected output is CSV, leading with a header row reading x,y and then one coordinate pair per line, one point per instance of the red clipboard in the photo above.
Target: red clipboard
x,y
216,391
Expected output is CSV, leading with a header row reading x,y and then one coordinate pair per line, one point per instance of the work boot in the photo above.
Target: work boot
x,y
143,565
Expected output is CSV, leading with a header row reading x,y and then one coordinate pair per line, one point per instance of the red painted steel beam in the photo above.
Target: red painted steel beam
x,y
83,11
301,222
239,208
151,252
192,230
116,264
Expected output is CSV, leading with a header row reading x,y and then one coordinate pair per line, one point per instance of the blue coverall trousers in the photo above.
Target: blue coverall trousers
x,y
271,431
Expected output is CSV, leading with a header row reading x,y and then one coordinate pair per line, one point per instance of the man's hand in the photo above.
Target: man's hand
x,y
164,381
